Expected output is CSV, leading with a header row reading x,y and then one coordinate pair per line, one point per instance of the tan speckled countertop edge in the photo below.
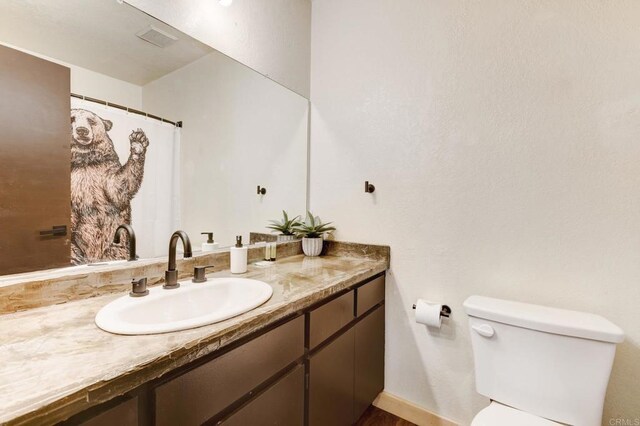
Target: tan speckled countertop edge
x,y
244,325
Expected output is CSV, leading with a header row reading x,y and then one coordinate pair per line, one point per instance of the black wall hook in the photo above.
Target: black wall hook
x,y
261,191
368,187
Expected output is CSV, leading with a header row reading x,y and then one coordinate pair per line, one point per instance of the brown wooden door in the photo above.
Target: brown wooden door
x,y
35,164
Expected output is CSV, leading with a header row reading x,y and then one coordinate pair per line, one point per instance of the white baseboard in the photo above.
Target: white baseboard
x,y
409,411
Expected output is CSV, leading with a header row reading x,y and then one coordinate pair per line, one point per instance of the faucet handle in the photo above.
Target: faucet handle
x,y
139,287
199,273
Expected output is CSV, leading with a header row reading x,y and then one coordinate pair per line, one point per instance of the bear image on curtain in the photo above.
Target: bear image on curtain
x,y
101,187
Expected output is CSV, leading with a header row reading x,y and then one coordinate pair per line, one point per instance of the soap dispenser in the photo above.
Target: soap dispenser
x,y
210,245
238,257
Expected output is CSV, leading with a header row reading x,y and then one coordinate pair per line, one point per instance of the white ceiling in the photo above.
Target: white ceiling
x,y
99,35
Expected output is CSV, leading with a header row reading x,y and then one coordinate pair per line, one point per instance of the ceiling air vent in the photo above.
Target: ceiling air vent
x,y
157,37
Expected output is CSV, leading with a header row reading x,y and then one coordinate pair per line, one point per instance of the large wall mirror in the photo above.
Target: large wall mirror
x,y
109,116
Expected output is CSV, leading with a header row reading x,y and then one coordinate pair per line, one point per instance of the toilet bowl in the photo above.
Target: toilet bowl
x,y
540,365
497,414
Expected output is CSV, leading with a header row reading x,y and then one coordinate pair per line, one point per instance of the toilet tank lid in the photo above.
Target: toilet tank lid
x,y
544,318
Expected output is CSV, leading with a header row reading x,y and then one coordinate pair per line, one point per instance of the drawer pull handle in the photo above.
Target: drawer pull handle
x,y
484,330
56,231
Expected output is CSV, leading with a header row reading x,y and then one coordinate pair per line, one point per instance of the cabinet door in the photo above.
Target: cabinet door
x,y
331,383
203,392
282,404
369,360
123,414
35,162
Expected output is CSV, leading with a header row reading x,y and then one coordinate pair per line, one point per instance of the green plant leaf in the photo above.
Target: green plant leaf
x,y
285,225
312,227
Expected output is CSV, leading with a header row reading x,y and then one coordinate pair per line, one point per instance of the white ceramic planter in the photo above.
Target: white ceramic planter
x,y
312,246
282,238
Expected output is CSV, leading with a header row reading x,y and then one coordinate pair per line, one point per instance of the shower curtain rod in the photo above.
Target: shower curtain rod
x,y
124,108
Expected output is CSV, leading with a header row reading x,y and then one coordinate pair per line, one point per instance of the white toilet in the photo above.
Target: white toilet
x,y
540,365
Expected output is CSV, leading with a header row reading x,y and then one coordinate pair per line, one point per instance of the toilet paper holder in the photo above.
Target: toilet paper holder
x,y
444,312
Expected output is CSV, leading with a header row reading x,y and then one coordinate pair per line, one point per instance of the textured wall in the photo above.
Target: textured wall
x,y
89,83
270,36
503,138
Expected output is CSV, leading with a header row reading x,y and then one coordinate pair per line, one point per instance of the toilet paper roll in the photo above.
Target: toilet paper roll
x,y
428,313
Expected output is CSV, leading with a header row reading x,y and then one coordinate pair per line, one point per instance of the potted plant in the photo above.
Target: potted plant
x,y
285,227
312,231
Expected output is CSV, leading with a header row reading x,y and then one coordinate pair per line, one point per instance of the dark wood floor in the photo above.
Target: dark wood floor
x,y
377,417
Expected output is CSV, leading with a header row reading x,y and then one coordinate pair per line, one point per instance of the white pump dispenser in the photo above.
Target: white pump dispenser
x,y
238,256
210,245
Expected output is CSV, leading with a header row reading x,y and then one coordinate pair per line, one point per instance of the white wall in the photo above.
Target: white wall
x,y
90,83
240,130
272,37
100,86
503,139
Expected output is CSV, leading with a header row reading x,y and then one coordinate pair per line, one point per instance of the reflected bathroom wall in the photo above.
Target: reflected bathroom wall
x,y
240,128
271,37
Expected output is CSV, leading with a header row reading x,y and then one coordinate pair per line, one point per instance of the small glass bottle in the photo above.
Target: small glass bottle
x,y
273,252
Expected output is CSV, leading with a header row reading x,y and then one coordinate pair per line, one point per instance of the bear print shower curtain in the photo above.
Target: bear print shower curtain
x,y
125,168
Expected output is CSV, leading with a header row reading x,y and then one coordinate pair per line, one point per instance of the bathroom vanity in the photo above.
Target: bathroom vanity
x,y
331,355
313,354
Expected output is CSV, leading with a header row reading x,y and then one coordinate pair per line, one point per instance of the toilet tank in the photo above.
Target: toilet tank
x,y
550,362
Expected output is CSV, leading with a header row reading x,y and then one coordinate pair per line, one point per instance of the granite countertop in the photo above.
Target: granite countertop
x,y
55,362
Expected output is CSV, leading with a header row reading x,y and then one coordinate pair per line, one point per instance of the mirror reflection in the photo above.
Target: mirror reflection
x,y
165,133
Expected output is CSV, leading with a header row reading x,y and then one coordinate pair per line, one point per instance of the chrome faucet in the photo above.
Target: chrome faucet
x,y
132,239
171,275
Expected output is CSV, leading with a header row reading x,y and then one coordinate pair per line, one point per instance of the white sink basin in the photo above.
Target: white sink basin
x,y
189,306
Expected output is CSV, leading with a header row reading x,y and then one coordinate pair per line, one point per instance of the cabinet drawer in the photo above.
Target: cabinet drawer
x,y
369,295
329,318
282,404
123,414
204,391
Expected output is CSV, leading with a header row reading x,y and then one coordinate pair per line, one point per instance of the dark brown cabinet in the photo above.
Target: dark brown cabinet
x,y
329,318
369,344
281,404
369,295
122,414
203,392
346,370
323,367
331,376
369,360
